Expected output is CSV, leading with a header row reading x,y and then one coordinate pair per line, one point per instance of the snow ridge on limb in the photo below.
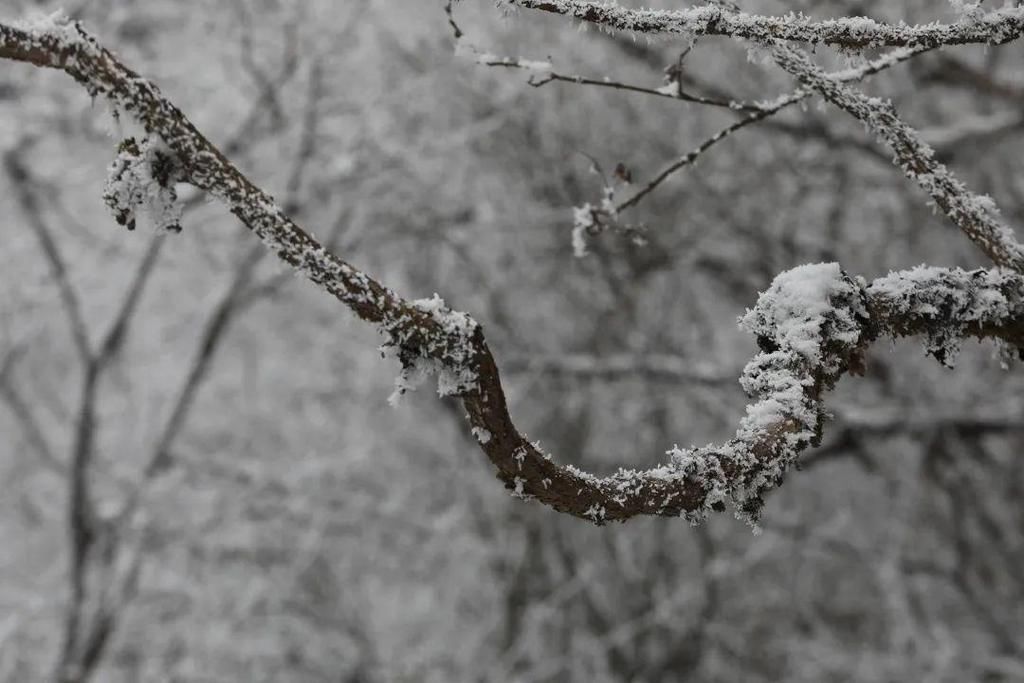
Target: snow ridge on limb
x,y
589,220
812,326
996,26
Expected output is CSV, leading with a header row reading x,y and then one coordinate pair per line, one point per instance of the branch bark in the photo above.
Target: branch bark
x,y
853,33
975,215
812,325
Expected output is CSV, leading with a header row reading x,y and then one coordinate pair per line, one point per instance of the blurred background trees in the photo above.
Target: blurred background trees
x,y
307,531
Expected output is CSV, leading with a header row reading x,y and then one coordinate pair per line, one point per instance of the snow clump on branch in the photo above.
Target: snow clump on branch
x,y
55,26
143,175
450,356
808,325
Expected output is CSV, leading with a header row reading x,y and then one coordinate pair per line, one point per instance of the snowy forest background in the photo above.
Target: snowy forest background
x,y
308,531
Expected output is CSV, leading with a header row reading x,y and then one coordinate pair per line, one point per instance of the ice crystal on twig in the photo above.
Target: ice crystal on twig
x,y
143,175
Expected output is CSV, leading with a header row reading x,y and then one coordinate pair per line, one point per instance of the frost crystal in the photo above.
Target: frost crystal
x,y
582,222
410,379
969,12
143,175
593,220
54,25
449,354
596,513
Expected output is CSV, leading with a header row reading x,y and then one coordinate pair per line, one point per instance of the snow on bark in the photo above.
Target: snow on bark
x,y
812,324
55,29
808,325
449,355
993,27
976,215
484,58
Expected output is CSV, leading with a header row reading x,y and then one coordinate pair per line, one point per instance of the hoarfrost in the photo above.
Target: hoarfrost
x,y
55,25
582,223
143,175
484,58
797,309
481,434
946,304
596,513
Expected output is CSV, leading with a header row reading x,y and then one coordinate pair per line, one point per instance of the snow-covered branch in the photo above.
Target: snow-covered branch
x,y
543,73
661,366
997,26
977,216
812,325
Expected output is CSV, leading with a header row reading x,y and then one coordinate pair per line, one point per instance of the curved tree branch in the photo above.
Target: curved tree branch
x,y
768,109
813,324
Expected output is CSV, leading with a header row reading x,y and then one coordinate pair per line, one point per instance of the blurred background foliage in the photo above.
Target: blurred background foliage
x,y
307,531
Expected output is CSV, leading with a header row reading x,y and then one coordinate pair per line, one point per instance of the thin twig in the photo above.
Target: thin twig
x,y
19,175
769,109
456,30
789,377
995,27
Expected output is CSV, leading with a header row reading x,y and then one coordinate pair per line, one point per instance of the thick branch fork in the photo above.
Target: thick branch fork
x,y
813,325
